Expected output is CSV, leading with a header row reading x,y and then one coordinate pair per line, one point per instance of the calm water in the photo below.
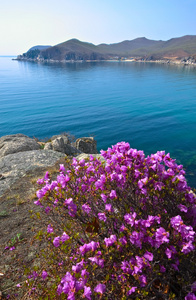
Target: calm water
x,y
151,106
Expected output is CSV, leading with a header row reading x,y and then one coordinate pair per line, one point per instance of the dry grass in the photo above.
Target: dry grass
x,y
16,206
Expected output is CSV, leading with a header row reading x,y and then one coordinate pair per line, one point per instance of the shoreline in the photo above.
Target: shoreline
x,y
161,61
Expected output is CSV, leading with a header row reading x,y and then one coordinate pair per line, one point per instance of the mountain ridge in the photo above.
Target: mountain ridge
x,y
139,48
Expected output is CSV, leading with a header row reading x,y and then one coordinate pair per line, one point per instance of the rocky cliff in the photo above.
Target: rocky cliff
x,y
19,155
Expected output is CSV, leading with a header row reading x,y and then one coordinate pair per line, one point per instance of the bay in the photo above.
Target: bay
x,y
149,105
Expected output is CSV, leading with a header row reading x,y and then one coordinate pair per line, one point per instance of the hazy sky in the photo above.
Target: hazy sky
x,y
24,23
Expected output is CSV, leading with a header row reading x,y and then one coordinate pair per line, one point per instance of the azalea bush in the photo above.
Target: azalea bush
x,y
122,228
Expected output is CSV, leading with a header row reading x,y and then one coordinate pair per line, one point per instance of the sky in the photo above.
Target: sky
x,y
24,24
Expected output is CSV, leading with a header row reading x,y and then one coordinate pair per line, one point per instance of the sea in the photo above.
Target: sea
x,y
152,106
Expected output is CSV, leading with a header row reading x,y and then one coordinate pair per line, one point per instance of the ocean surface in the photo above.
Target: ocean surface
x,y
151,106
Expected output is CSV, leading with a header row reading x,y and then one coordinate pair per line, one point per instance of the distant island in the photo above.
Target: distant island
x,y
176,50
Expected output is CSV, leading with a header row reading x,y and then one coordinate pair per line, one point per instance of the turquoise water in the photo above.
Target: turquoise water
x,y
151,106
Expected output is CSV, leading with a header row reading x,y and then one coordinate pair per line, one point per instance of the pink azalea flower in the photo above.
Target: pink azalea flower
x,y
161,236
49,229
108,207
110,241
142,280
102,217
56,241
47,209
64,237
113,194
44,274
103,197
131,291
148,255
87,292
182,208
40,181
190,296
62,168
162,269
100,288
168,252
86,208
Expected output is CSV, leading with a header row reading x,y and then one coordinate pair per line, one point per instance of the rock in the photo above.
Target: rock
x,y
58,144
63,136
70,150
10,144
87,145
61,144
15,166
20,154
48,146
84,156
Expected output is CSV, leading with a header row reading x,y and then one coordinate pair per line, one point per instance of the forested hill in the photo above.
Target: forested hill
x,y
143,48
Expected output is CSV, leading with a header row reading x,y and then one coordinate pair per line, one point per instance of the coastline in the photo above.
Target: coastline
x,y
182,62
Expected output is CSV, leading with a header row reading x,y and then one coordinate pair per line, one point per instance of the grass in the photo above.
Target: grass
x,y
4,213
15,239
